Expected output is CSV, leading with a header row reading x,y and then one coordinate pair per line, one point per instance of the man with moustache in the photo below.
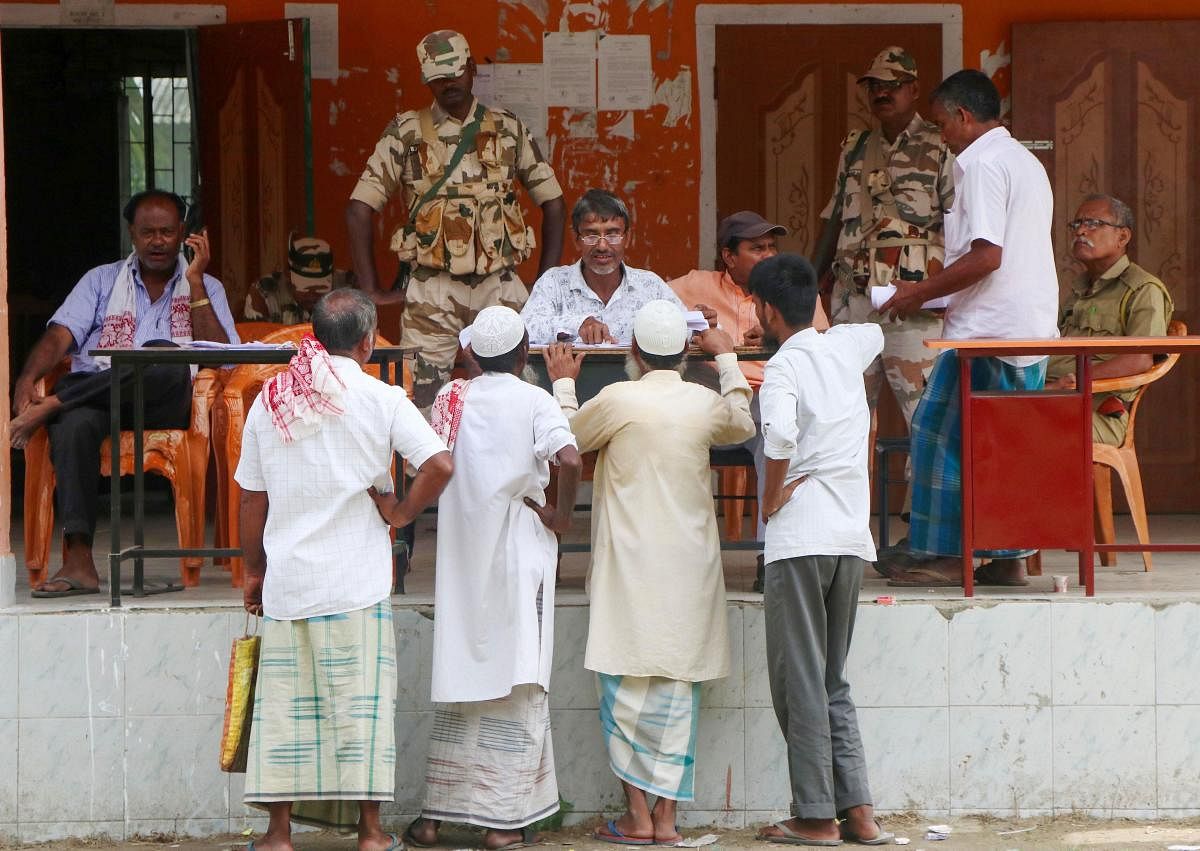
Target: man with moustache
x,y
1113,298
154,297
457,164
594,300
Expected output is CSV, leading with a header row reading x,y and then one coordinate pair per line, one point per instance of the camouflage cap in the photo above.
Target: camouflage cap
x,y
442,54
310,263
892,63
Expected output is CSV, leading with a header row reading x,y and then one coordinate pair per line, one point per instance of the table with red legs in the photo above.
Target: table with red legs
x,y
1027,455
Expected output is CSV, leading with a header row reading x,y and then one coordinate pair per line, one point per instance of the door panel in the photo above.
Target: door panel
x,y
1121,101
254,125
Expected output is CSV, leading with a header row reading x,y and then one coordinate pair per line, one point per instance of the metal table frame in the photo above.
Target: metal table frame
x,y
975,431
388,357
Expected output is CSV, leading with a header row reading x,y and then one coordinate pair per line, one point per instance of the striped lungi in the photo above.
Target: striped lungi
x,y
935,525
649,726
491,762
323,733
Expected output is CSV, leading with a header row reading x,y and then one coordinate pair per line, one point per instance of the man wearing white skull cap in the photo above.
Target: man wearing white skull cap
x,y
491,762
657,624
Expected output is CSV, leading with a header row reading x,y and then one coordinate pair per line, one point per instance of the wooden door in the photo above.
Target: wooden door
x,y
786,98
1121,102
255,146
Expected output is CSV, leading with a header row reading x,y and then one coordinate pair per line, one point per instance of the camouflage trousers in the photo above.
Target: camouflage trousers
x,y
905,362
436,309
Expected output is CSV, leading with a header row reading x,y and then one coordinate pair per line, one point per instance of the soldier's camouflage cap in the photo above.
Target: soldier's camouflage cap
x,y
892,63
442,54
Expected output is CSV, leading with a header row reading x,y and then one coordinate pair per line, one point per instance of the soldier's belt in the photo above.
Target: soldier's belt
x,y
898,241
471,279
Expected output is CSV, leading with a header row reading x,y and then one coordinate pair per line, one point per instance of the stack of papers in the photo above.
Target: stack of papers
x,y
882,295
250,344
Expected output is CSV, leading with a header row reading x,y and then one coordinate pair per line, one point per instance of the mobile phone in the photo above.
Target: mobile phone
x,y
192,223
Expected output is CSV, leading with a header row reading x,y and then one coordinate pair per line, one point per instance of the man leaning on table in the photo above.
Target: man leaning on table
x,y
154,297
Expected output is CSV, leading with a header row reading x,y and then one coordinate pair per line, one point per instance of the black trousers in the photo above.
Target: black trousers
x,y
82,423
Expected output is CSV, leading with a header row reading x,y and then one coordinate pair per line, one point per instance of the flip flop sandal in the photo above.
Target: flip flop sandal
x,y
612,834
987,575
920,577
672,843
790,837
396,843
74,587
411,839
884,838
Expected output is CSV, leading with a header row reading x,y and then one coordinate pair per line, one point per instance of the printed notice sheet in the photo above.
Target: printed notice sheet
x,y
624,72
569,60
520,87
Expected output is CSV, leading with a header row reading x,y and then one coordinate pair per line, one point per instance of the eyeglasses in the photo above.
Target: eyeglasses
x,y
1090,224
594,238
874,85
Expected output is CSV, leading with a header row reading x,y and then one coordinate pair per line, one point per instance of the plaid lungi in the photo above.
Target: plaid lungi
x,y
649,726
323,733
935,524
491,762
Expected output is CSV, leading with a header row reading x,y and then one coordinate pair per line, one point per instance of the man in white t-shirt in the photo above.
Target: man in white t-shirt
x,y
317,449
817,503
1001,281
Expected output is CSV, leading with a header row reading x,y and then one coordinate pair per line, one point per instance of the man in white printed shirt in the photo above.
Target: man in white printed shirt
x,y
1002,283
317,449
817,502
594,300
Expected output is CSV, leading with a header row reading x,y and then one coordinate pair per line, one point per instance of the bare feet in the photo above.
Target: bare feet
x,y
806,828
23,425
423,831
272,842
859,825
630,826
78,565
493,840
663,815
374,840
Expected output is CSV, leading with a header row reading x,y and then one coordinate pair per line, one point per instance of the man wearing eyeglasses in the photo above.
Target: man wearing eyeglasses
x,y
1113,298
594,300
894,184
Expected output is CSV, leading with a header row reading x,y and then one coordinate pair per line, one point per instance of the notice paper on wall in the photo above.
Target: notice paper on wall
x,y
520,87
322,36
484,84
624,72
569,61
87,13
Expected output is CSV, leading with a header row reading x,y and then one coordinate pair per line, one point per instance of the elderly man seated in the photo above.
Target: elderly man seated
x,y
594,300
1113,298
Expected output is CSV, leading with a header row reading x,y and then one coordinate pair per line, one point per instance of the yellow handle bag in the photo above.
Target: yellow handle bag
x,y
239,699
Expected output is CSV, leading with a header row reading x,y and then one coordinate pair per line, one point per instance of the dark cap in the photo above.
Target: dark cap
x,y
746,224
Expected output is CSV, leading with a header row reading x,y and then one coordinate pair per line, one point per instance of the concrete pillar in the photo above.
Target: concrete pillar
x,y
8,564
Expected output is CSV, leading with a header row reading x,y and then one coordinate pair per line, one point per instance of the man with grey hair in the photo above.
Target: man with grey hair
x,y
594,300
657,625
316,500
1114,297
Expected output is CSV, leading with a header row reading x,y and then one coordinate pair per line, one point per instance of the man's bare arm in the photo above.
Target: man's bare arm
x,y
426,487
554,219
1115,367
253,520
52,347
775,492
205,324
360,226
570,468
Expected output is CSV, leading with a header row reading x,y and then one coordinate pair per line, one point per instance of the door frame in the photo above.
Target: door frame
x,y
711,15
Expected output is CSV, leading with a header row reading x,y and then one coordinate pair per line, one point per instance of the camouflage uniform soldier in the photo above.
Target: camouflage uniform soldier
x,y
893,186
457,163
289,299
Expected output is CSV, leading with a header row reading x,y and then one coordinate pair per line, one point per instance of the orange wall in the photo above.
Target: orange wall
x,y
656,173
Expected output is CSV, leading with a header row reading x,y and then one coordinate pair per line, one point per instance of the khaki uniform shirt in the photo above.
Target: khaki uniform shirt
x,y
655,583
270,299
1125,301
919,175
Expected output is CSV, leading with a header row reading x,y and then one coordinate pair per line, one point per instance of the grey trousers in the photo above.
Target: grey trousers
x,y
810,607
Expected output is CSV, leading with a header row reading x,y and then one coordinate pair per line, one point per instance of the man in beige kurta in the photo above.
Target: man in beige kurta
x,y
657,627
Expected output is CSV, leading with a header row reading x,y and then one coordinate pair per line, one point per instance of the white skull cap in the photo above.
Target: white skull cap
x,y
660,328
496,331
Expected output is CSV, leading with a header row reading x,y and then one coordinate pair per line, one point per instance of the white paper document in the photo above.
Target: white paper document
x,y
520,87
695,320
484,84
569,61
624,72
249,344
881,295
322,36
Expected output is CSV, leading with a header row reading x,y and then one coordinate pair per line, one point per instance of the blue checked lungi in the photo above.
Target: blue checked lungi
x,y
935,524
323,728
649,726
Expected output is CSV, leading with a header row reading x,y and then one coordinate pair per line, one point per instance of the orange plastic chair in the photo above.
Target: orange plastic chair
x,y
1122,459
229,418
179,455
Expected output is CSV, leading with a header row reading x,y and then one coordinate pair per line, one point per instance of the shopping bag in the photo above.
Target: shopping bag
x,y
239,700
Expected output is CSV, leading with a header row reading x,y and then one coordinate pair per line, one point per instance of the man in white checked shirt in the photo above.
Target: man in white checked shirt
x,y
316,454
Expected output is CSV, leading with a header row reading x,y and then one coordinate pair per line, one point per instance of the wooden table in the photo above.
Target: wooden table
x,y
1027,455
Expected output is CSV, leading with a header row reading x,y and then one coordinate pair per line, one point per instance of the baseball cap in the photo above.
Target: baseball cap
x,y
746,225
496,331
891,63
659,328
443,53
310,263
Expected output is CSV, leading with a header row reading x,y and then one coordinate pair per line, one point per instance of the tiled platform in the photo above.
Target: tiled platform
x,y
1019,701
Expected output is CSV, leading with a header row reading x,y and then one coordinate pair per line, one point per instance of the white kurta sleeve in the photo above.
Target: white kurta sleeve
x,y
777,402
551,431
411,436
